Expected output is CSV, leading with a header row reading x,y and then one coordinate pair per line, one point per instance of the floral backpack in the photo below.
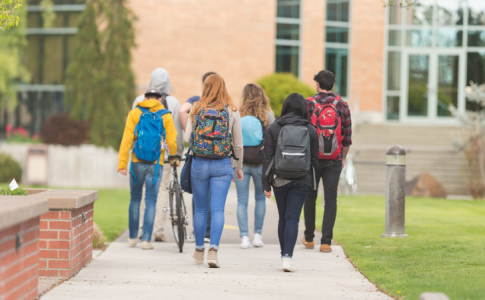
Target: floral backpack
x,y
210,133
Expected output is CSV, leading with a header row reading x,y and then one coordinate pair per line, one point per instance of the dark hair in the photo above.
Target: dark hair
x,y
152,96
325,80
204,77
295,103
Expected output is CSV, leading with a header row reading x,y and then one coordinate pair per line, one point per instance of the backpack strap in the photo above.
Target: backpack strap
x,y
143,109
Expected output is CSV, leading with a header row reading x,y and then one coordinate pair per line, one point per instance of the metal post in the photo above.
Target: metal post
x,y
395,192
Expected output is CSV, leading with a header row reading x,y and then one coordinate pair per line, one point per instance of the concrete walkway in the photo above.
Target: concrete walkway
x,y
122,272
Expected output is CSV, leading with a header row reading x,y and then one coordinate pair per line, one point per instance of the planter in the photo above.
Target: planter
x,y
19,245
66,231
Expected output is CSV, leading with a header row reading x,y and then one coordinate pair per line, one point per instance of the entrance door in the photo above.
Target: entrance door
x,y
432,82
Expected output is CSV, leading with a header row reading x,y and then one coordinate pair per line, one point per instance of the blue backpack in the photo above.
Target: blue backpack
x,y
252,131
149,136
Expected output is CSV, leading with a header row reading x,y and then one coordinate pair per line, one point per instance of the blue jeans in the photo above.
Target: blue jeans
x,y
208,228
144,176
289,199
242,187
211,179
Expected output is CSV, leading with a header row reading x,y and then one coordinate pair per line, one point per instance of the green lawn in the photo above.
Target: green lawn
x,y
445,251
110,210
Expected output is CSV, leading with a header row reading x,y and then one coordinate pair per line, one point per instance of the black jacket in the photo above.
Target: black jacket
x,y
270,144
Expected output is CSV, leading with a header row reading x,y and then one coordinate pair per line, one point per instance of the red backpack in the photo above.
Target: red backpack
x,y
329,128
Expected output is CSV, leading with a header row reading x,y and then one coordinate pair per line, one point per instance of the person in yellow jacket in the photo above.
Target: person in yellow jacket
x,y
143,173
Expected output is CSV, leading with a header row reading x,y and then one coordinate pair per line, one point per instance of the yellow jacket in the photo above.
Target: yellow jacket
x,y
128,135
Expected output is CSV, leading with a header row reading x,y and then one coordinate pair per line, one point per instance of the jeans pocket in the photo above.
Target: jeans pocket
x,y
226,170
196,173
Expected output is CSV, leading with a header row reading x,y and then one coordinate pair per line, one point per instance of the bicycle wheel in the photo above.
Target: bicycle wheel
x,y
179,225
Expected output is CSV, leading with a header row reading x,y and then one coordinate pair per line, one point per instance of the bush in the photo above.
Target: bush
x,y
9,168
278,86
60,129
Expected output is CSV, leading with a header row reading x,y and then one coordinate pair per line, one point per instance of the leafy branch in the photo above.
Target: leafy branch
x,y
7,17
399,3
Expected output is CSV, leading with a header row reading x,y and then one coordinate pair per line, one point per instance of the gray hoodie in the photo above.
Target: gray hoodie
x,y
161,79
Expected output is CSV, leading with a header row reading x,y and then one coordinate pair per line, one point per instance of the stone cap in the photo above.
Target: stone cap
x,y
396,150
18,209
64,199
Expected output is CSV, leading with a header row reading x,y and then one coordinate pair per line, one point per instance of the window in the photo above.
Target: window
x,y
337,43
288,26
436,48
46,57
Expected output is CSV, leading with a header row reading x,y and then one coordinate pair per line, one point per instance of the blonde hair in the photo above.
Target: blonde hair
x,y
255,103
214,95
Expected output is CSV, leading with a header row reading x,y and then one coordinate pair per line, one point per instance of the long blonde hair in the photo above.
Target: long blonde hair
x,y
214,95
255,103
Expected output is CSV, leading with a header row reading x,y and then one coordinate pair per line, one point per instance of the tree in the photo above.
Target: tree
x,y
472,143
8,18
100,84
399,3
12,43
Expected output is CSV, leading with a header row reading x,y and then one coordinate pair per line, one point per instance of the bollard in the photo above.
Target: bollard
x,y
395,192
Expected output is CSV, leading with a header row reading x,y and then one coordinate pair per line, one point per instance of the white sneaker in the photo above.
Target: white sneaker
x,y
207,240
258,240
245,243
146,245
287,264
132,242
191,238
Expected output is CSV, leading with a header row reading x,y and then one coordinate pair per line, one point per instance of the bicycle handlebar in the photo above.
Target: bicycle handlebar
x,y
177,157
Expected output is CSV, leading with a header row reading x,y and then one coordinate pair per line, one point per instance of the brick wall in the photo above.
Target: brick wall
x,y
19,267
66,242
367,52
235,38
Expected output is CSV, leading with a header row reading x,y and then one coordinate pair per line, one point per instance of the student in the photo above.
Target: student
x,y
184,110
290,155
329,165
256,116
216,130
143,172
160,79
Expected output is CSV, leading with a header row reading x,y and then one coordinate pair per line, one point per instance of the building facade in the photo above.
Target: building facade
x,y
404,65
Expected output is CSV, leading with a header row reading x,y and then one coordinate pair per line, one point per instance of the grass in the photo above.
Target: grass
x,y
445,251
110,210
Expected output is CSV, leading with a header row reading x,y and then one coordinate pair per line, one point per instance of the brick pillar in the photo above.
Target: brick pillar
x,y
66,241
19,262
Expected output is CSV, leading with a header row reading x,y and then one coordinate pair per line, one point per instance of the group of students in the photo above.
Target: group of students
x,y
308,142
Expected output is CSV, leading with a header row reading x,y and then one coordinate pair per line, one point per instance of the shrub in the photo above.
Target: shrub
x,y
16,192
98,237
60,129
9,168
278,86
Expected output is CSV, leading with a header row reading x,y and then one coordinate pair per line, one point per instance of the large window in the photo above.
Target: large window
x,y
337,43
433,50
288,26
46,57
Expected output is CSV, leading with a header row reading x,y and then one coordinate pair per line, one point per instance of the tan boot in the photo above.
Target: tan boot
x,y
198,256
212,258
308,245
160,238
325,248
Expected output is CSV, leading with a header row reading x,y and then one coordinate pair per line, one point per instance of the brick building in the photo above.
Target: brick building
x,y
392,64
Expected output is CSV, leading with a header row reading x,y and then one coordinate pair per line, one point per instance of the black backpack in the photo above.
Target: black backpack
x,y
293,156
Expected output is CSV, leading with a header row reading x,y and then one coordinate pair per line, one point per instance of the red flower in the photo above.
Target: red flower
x,y
9,129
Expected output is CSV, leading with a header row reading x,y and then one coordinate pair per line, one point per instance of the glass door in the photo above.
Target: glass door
x,y
433,81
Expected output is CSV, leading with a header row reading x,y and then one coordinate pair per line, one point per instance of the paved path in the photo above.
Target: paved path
x,y
122,272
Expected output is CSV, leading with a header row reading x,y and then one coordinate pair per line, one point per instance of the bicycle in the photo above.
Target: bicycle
x,y
178,214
